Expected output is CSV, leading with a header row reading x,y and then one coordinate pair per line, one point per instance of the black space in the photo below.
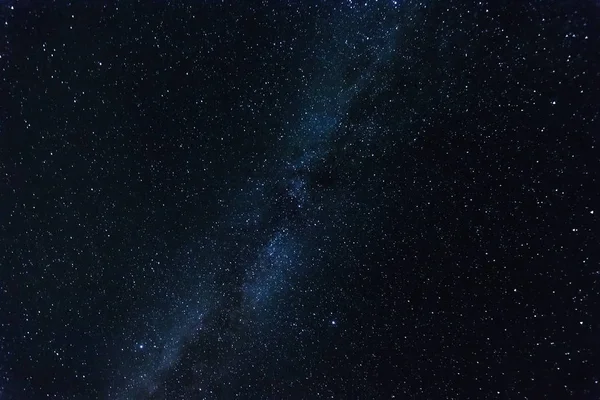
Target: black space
x,y
299,200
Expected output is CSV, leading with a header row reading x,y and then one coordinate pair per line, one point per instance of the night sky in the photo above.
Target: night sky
x,y
300,200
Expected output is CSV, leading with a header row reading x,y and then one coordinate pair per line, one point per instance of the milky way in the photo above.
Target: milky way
x,y
285,211
368,200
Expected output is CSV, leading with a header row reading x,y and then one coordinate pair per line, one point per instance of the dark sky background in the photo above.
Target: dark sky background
x,y
301,200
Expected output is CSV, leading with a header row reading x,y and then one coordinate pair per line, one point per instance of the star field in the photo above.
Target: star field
x,y
299,200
